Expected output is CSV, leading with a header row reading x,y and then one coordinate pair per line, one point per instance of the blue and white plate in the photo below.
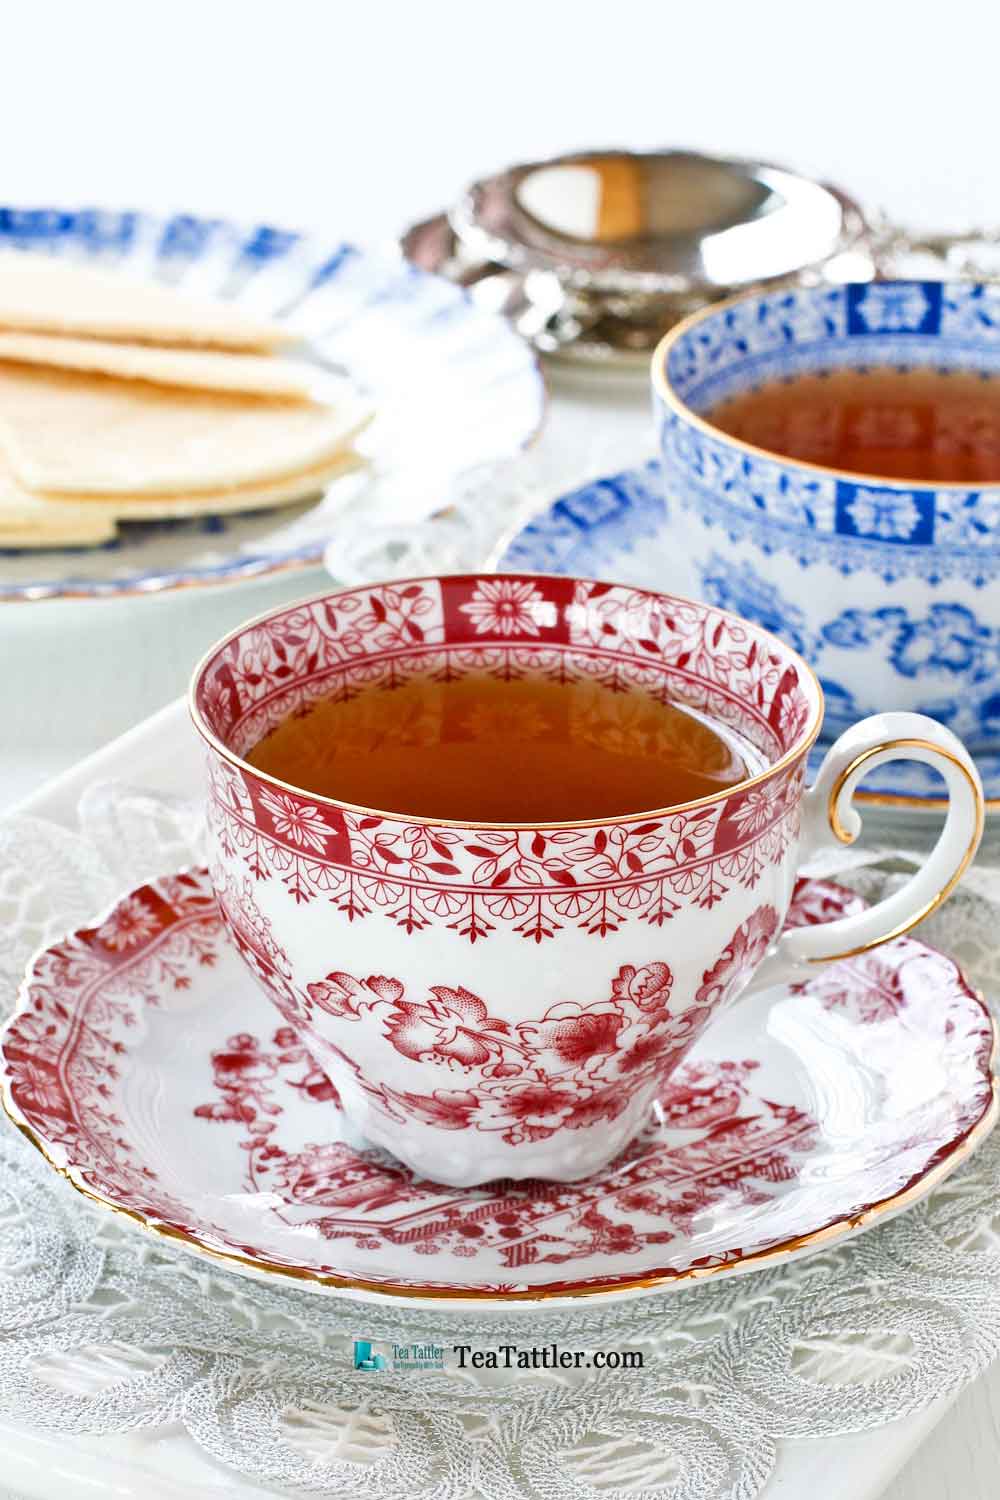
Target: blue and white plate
x,y
453,385
615,527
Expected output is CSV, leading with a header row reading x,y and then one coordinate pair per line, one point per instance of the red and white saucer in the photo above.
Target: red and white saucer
x,y
147,1068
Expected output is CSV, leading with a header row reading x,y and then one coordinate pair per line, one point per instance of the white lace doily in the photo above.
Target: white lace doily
x,y
103,1331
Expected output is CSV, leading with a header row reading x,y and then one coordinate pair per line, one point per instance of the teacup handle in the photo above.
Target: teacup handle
x,y
829,818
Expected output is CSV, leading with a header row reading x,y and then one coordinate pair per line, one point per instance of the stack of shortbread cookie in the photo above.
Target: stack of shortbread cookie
x,y
124,400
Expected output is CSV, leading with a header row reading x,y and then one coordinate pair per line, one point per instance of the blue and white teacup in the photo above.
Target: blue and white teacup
x,y
890,589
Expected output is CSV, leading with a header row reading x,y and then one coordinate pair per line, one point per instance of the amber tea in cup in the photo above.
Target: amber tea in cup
x,y
911,424
499,749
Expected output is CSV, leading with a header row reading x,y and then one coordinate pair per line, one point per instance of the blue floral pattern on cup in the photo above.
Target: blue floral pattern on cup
x,y
896,529
894,307
949,642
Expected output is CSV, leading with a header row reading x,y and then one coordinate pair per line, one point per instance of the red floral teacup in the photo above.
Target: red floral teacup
x,y
508,1001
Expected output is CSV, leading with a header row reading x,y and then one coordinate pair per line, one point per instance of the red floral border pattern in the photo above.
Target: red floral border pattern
x,y
87,998
471,879
535,881
271,668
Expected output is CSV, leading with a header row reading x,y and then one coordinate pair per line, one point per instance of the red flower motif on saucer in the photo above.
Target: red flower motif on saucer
x,y
130,924
884,997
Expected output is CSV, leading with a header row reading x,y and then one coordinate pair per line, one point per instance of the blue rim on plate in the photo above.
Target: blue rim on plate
x,y
453,386
602,530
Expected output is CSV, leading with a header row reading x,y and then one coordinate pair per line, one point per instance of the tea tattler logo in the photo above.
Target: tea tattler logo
x,y
365,1357
372,1355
